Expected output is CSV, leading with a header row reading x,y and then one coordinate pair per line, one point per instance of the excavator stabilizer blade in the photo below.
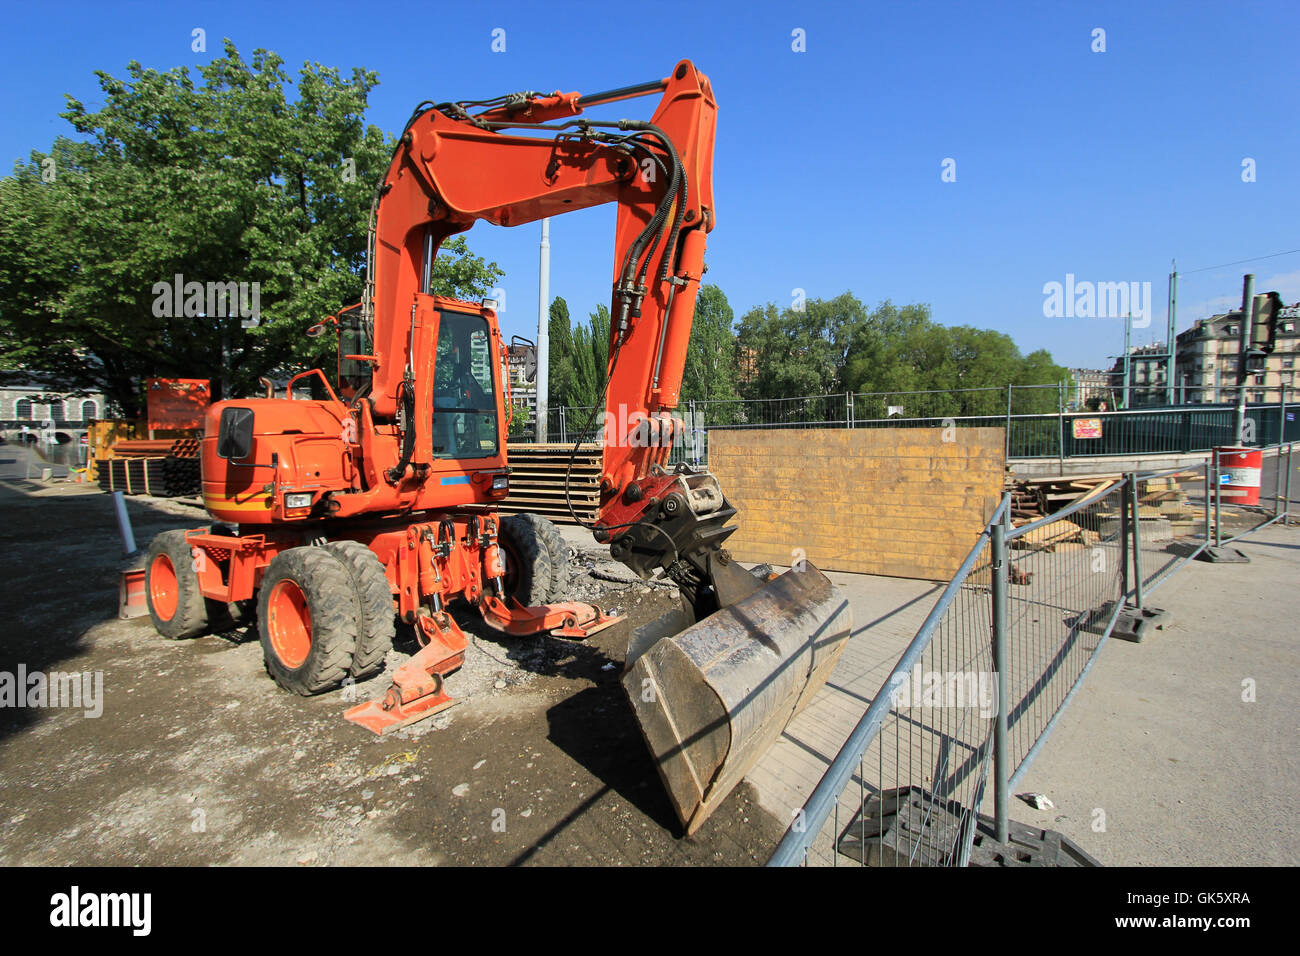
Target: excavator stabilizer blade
x,y
714,697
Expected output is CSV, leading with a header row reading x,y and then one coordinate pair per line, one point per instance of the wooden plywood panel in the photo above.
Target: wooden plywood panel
x,y
896,501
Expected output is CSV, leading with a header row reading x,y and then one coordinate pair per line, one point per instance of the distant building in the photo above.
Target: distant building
x,y
1087,384
29,404
522,362
1146,377
1208,369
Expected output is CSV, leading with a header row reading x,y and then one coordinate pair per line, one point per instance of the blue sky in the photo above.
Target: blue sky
x,y
1102,165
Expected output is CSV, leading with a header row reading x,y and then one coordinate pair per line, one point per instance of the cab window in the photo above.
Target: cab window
x,y
464,399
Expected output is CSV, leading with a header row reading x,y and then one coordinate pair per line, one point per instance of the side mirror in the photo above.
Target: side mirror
x,y
320,327
235,435
520,346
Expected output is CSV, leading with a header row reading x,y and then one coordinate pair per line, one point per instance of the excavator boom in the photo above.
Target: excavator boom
x,y
715,683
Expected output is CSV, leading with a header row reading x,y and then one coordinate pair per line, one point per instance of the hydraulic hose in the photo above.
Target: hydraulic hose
x,y
395,473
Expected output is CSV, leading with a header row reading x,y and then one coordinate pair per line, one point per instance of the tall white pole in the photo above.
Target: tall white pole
x,y
543,328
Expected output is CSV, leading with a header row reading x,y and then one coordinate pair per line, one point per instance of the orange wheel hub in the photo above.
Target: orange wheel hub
x,y
289,623
163,589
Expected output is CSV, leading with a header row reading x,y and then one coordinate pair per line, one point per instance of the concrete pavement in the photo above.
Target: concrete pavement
x,y
1163,757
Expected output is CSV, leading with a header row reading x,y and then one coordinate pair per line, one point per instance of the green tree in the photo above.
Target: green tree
x,y
837,345
221,181
710,373
559,356
521,423
710,370
797,351
590,360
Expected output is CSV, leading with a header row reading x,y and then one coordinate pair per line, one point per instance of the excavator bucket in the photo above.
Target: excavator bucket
x,y
712,698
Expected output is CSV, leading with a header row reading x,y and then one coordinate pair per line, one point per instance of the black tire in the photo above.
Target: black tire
x,y
527,561
378,615
537,567
315,579
171,586
558,551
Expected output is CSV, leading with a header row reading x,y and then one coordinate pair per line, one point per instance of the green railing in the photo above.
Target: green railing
x,y
1037,419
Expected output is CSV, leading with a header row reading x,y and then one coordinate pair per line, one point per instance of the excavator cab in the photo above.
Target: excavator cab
x,y
465,424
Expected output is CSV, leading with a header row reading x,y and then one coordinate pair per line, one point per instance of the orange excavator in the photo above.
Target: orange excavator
x,y
339,516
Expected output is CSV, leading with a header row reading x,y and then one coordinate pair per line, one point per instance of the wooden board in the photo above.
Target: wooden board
x,y
894,501
537,474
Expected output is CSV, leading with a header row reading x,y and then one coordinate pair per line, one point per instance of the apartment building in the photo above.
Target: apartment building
x,y
1208,356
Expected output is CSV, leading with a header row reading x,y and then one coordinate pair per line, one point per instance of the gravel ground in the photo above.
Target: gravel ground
x,y
198,758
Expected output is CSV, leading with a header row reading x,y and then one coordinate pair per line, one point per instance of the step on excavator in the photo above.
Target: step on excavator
x,y
376,501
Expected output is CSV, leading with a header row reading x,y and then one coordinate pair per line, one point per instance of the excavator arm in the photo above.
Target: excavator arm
x,y
714,682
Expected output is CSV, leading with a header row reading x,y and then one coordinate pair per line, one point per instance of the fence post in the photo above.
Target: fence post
x,y
1218,500
1277,480
1060,431
564,434
1125,529
848,404
1007,452
1208,486
1290,466
693,427
1001,755
1136,525
1281,417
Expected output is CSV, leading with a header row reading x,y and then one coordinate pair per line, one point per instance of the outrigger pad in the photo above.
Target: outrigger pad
x,y
713,698
375,718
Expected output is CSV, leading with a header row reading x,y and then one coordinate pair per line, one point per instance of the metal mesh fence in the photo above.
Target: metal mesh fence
x,y
903,790
981,685
1065,583
1173,521
1007,645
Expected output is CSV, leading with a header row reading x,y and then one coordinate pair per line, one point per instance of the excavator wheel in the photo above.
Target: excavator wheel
x,y
308,617
553,541
378,628
537,569
171,585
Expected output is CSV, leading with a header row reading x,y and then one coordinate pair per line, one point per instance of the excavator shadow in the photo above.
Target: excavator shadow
x,y
597,730
595,726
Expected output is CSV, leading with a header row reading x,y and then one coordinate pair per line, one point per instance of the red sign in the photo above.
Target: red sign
x,y
177,403
1087,427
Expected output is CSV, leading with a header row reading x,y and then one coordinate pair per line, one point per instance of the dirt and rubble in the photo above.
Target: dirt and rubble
x,y
198,758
